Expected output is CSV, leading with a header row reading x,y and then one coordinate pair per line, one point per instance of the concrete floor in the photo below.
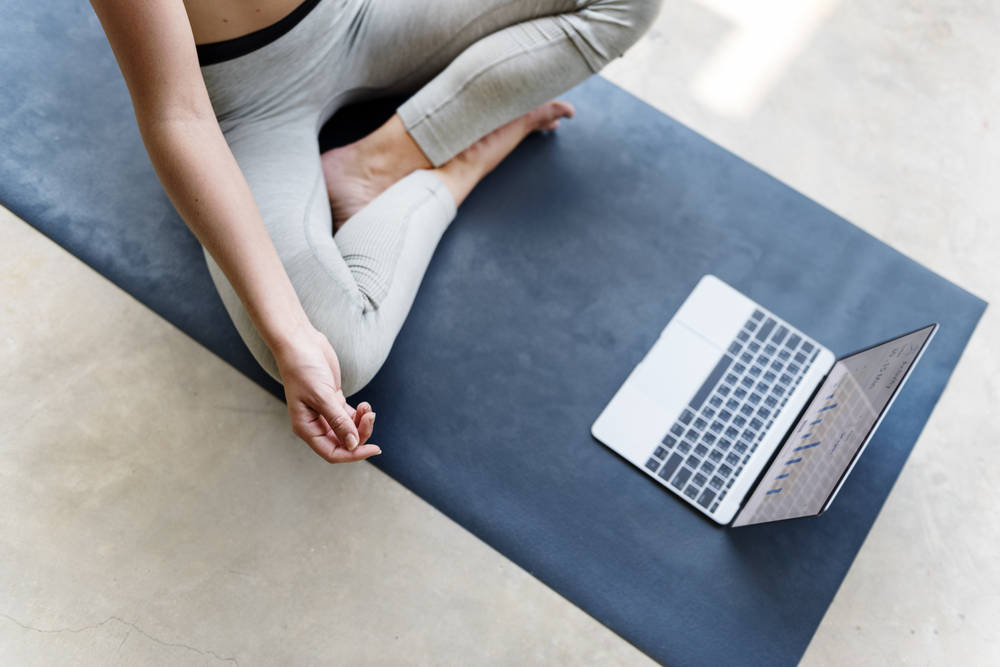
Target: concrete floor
x,y
155,509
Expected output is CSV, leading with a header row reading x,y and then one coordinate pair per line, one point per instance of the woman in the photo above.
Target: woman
x,y
231,128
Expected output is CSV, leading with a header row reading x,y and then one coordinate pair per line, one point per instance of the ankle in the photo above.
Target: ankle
x,y
389,153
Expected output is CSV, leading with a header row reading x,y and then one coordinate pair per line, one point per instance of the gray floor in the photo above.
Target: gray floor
x,y
154,508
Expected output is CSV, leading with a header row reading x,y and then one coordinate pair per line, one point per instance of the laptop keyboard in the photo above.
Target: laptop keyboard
x,y
706,449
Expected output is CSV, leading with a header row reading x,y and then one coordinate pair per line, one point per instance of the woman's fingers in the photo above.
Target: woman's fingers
x,y
341,455
331,451
337,418
366,424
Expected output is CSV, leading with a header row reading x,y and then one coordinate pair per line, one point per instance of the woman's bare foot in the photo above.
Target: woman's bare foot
x,y
465,170
357,173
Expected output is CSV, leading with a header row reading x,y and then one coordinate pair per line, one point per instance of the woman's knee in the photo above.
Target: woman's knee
x,y
360,359
619,24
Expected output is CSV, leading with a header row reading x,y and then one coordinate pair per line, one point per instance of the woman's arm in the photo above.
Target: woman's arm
x,y
155,49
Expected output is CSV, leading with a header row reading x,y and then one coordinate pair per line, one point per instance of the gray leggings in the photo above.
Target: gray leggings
x,y
477,64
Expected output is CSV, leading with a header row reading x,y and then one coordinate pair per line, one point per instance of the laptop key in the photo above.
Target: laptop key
x,y
707,467
747,409
793,341
700,424
691,435
715,455
706,498
707,413
684,447
710,382
693,461
747,382
652,464
800,358
660,453
714,507
723,390
739,368
671,465
750,325
734,348
758,314
724,470
708,439
784,355
699,480
724,444
807,347
769,376
669,441
716,426
740,447
746,358
770,401
770,350
691,492
753,347
738,422
779,335
725,415
765,330
700,450
793,368
732,432
777,366
785,379
740,393
677,430
715,401
755,371
716,482
732,459
763,413
686,417
681,478
743,335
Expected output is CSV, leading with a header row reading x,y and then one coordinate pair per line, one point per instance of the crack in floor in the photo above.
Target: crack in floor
x,y
131,626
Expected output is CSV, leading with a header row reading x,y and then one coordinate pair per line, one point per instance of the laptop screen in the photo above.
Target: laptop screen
x,y
833,430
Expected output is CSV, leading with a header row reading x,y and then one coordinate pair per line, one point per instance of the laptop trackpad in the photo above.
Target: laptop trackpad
x,y
676,367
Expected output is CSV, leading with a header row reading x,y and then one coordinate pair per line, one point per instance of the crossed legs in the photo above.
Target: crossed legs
x,y
485,74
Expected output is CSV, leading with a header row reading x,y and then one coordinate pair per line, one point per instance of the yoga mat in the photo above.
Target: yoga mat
x,y
556,278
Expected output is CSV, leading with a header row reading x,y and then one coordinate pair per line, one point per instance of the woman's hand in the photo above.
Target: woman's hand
x,y
320,415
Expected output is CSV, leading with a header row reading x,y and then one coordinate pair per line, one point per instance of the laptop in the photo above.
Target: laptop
x,y
746,418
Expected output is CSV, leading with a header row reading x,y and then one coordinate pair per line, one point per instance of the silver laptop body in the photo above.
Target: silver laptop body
x,y
727,384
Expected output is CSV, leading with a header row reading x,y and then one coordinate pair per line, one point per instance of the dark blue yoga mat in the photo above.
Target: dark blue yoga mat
x,y
556,278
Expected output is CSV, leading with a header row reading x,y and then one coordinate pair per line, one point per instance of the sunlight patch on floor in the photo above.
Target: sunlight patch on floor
x,y
767,35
